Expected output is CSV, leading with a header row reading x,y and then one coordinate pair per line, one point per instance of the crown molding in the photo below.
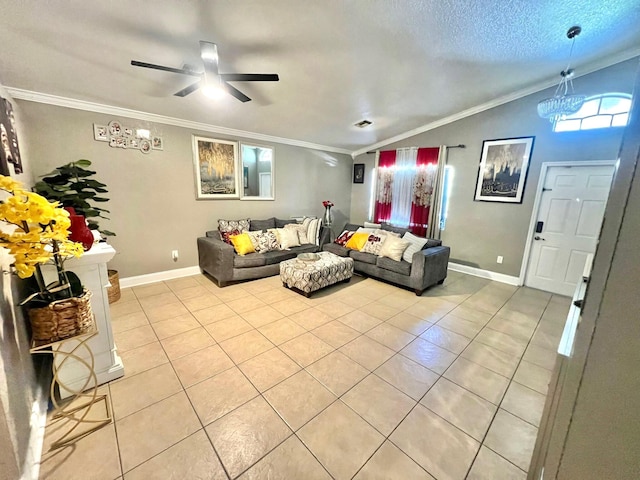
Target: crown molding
x,y
58,101
593,67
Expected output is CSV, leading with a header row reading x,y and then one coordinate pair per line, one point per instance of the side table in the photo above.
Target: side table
x,y
80,410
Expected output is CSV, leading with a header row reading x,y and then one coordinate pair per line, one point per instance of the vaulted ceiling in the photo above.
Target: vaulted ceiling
x,y
402,64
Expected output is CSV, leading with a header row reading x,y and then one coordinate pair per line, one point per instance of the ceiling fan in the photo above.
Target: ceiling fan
x,y
210,80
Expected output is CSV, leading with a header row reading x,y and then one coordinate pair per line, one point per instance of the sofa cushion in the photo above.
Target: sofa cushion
x,y
278,256
255,225
250,260
391,228
280,223
336,249
357,241
213,234
231,225
374,244
415,245
267,242
393,248
301,229
401,267
363,257
242,244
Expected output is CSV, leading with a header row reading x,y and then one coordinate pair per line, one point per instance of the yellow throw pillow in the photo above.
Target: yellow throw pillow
x,y
357,241
242,243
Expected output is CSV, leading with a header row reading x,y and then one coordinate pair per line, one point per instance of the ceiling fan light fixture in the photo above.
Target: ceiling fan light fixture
x,y
211,90
563,103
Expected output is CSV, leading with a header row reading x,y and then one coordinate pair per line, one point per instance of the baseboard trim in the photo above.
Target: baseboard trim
x,y
158,276
478,272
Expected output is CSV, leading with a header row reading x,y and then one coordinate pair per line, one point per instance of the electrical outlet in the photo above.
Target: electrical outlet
x,y
174,255
499,259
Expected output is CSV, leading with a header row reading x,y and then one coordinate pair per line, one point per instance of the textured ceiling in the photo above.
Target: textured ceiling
x,y
400,63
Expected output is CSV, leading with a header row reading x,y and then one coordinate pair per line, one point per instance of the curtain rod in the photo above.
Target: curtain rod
x,y
461,145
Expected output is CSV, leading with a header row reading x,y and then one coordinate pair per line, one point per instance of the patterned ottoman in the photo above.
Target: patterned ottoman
x,y
309,276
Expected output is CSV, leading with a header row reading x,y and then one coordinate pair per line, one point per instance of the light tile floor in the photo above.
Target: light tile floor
x,y
362,380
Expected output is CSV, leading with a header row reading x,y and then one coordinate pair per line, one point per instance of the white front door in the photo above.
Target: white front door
x,y
568,224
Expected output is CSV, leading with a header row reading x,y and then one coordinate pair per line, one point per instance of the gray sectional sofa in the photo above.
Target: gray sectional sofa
x,y
220,260
428,267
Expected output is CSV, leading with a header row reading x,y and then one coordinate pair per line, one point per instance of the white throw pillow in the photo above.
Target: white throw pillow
x,y
365,230
416,244
301,229
386,232
393,248
372,225
287,237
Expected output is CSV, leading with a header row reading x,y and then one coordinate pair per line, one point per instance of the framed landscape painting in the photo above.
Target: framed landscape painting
x,y
216,168
503,169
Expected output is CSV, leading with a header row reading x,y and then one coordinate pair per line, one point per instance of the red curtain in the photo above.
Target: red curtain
x,y
382,211
426,169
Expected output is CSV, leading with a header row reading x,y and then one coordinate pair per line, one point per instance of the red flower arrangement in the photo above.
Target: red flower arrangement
x,y
327,203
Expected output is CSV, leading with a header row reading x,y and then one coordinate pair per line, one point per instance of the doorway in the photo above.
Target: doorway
x,y
566,222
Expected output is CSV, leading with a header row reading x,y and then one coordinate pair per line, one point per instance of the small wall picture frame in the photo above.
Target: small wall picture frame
x,y
358,173
100,133
156,143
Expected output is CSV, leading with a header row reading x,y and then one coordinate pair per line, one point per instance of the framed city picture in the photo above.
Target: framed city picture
x,y
503,169
216,168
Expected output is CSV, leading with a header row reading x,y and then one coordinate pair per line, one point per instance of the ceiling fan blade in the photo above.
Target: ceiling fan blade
x,y
181,71
250,77
236,93
187,90
209,55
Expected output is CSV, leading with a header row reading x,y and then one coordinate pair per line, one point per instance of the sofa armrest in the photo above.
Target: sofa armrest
x,y
216,258
429,267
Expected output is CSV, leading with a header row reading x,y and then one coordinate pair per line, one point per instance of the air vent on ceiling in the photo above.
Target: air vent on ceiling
x,y
363,123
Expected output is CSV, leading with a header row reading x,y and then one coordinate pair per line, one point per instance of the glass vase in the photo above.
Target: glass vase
x,y
327,218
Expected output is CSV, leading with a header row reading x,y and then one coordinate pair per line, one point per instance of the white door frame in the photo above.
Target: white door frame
x,y
536,203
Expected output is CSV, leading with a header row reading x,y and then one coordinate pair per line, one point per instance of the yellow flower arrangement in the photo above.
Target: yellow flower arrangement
x,y
35,232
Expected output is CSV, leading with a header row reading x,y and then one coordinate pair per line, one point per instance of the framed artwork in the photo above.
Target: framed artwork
x,y
100,133
156,143
358,173
216,168
503,169
9,151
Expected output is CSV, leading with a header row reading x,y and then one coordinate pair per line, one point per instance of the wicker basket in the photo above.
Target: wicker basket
x,y
113,292
62,319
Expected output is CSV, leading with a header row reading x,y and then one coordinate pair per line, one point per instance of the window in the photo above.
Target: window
x,y
447,180
600,111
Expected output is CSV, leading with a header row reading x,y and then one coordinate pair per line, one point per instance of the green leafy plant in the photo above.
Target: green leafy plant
x,y
71,186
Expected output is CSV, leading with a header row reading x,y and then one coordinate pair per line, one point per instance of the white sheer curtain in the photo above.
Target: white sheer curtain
x,y
405,170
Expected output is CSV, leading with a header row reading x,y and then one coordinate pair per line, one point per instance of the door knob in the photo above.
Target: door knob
x,y
538,238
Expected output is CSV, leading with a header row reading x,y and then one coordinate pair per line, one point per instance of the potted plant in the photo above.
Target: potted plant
x,y
72,187
35,231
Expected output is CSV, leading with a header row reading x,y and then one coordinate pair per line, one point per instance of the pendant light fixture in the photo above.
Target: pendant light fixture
x,y
563,103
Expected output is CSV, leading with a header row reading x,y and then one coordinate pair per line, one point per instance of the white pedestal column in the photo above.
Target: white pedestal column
x,y
92,270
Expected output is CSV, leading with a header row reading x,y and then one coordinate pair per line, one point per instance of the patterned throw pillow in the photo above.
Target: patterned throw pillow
x,y
230,225
225,236
253,236
374,244
313,231
267,242
344,237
